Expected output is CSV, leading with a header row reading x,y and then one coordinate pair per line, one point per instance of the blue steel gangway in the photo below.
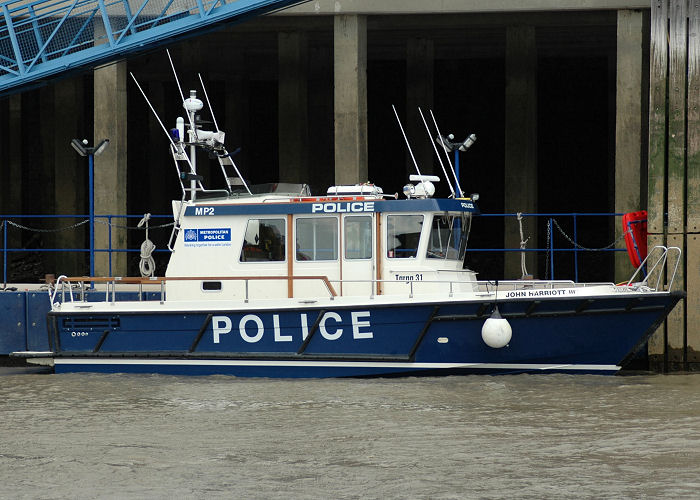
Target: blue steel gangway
x,y
43,39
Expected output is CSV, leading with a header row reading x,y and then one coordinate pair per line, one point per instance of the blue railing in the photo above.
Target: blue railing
x,y
26,223
7,221
552,226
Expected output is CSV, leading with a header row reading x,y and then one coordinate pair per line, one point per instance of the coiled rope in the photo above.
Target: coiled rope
x,y
523,246
147,265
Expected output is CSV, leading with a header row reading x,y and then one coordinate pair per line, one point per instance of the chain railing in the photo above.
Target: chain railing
x,y
550,250
114,222
33,221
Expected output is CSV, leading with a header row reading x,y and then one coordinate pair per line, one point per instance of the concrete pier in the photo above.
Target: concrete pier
x,y
350,82
420,59
520,183
70,172
293,105
630,125
111,165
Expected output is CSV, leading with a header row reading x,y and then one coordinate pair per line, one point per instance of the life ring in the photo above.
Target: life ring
x,y
634,224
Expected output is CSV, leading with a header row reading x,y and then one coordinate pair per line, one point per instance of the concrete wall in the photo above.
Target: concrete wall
x,y
674,171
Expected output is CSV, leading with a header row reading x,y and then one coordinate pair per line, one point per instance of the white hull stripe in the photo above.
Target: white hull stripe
x,y
332,364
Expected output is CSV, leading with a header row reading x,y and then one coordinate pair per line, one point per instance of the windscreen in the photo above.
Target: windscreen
x,y
449,234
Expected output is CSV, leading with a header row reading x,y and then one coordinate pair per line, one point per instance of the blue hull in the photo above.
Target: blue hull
x,y
591,335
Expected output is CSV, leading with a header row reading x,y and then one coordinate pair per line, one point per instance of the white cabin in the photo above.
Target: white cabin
x,y
277,245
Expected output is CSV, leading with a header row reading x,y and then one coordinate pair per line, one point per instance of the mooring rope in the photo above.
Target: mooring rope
x,y
147,265
523,246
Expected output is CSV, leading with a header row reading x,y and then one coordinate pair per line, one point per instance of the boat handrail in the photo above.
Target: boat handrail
x,y
659,264
83,284
80,281
53,289
488,287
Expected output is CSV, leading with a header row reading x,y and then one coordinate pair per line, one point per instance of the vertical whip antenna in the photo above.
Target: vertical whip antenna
x,y
206,96
158,118
152,110
193,129
406,139
427,129
177,80
444,147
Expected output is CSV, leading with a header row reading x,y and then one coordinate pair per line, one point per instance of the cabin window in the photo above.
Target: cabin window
x,y
448,236
317,238
358,237
403,235
264,241
211,286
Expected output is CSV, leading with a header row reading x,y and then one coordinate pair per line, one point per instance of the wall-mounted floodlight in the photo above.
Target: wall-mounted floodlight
x,y
105,142
82,148
446,142
468,142
79,146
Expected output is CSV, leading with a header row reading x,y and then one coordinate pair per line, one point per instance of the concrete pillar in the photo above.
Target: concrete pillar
x,y
520,188
292,102
674,172
628,125
43,173
158,158
676,341
110,167
420,55
657,182
320,88
12,195
693,195
11,188
350,99
236,111
70,174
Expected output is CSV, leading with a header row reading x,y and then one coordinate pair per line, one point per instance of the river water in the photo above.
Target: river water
x,y
524,436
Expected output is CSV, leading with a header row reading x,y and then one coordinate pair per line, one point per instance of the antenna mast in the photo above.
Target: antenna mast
x,y
206,96
406,139
444,147
436,152
226,157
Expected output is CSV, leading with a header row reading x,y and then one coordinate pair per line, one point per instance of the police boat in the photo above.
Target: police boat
x,y
272,281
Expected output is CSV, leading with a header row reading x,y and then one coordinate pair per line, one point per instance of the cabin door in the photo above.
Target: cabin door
x,y
315,249
357,254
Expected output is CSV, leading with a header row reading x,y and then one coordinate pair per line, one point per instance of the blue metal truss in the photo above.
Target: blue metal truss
x,y
43,38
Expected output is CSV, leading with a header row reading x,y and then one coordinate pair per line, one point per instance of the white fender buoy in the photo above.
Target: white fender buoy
x,y
496,331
